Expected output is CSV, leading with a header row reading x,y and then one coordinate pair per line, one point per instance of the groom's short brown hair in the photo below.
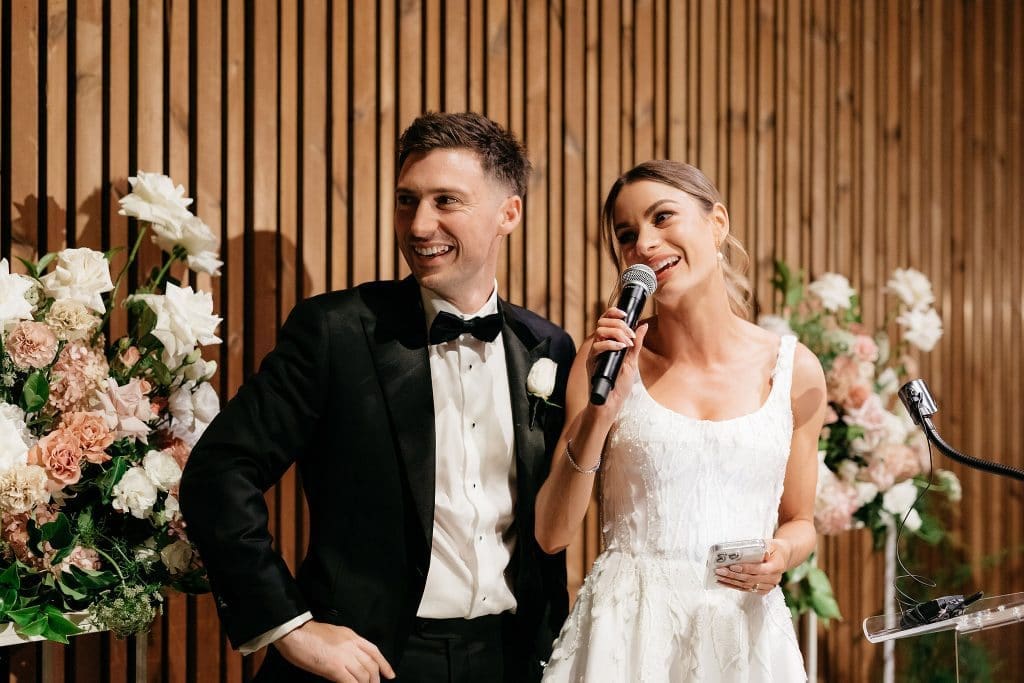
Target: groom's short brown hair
x,y
502,156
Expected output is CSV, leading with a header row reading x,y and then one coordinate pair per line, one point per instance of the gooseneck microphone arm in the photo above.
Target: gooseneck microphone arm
x,y
921,406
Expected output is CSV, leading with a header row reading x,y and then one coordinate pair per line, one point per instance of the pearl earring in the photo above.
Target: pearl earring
x,y
721,256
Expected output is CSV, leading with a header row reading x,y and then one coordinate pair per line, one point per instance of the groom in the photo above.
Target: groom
x,y
405,405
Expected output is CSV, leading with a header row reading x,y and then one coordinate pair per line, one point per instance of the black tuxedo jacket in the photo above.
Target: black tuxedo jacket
x,y
346,394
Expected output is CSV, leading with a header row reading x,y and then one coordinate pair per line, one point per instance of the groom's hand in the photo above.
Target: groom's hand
x,y
336,653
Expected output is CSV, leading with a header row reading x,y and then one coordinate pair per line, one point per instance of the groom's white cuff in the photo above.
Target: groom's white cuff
x,y
268,637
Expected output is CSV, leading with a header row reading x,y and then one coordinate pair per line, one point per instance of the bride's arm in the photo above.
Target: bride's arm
x,y
796,537
563,499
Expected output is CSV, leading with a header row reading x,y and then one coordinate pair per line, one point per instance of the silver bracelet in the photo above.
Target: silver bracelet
x,y
589,470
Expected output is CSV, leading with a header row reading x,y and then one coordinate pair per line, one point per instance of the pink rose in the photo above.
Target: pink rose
x,y
83,558
60,454
127,409
79,371
129,357
92,433
31,345
856,395
835,505
865,348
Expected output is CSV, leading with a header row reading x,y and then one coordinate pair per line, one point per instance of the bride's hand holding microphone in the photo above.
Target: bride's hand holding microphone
x,y
613,335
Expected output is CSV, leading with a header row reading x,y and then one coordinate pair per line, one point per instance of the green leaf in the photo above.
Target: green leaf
x,y
58,532
45,261
818,581
24,616
10,578
90,579
35,392
112,476
825,606
33,628
110,253
59,624
29,266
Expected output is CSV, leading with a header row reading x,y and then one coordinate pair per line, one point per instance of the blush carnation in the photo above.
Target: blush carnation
x,y
31,345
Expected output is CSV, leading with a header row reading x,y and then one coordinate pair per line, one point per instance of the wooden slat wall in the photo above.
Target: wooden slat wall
x,y
846,136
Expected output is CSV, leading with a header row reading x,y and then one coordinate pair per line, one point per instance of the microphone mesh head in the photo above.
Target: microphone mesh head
x,y
640,274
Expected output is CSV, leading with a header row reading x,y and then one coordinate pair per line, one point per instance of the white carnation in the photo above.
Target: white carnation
x,y
912,288
183,319
888,383
833,290
912,522
163,469
776,324
22,488
15,438
13,289
866,492
155,199
135,493
71,320
177,557
923,329
80,275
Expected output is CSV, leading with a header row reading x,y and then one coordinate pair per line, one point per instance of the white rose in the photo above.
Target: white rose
x,y
912,288
177,556
200,370
833,290
135,493
155,199
13,288
201,244
172,509
921,328
183,319
22,488
866,492
80,275
888,383
192,410
776,324
162,469
953,489
541,380
912,521
900,498
15,439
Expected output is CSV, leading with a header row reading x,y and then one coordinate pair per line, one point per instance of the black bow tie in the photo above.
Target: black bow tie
x,y
447,327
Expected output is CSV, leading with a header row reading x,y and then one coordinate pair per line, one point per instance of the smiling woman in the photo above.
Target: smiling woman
x,y
698,195
708,437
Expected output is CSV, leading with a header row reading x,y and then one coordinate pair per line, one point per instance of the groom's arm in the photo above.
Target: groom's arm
x,y
244,452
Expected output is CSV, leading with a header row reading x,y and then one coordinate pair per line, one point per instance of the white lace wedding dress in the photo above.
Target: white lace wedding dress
x,y
672,487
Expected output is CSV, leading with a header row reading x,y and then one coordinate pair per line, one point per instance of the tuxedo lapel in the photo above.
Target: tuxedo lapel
x,y
397,337
522,350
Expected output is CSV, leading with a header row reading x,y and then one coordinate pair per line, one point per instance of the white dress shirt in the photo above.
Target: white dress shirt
x,y
475,479
475,471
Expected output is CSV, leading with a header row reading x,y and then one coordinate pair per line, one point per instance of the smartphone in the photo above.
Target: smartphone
x,y
733,552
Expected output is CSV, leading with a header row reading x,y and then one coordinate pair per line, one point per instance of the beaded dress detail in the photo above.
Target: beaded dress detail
x,y
672,486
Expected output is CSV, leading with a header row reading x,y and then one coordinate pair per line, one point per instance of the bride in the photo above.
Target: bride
x,y
709,436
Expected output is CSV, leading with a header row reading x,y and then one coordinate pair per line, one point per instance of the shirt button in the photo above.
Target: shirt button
x,y
473,425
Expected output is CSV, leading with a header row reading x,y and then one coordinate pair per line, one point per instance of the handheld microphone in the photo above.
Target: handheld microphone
x,y
638,283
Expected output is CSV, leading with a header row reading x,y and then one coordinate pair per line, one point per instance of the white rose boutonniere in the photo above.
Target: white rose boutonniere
x,y
541,380
540,384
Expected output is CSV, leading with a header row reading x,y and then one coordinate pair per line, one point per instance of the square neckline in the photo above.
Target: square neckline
x,y
689,418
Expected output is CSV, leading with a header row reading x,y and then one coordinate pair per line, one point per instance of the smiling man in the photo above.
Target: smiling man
x,y
405,405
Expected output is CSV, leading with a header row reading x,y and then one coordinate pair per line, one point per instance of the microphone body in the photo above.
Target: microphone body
x,y
638,282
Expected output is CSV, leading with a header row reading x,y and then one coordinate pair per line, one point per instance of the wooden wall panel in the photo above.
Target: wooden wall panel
x,y
847,136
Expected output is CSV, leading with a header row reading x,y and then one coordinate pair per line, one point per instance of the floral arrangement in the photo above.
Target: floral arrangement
x,y
93,437
873,459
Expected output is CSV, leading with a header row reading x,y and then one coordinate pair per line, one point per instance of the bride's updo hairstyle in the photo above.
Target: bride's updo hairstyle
x,y
693,182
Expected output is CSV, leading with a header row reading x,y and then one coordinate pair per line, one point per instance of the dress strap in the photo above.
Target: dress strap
x,y
782,375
